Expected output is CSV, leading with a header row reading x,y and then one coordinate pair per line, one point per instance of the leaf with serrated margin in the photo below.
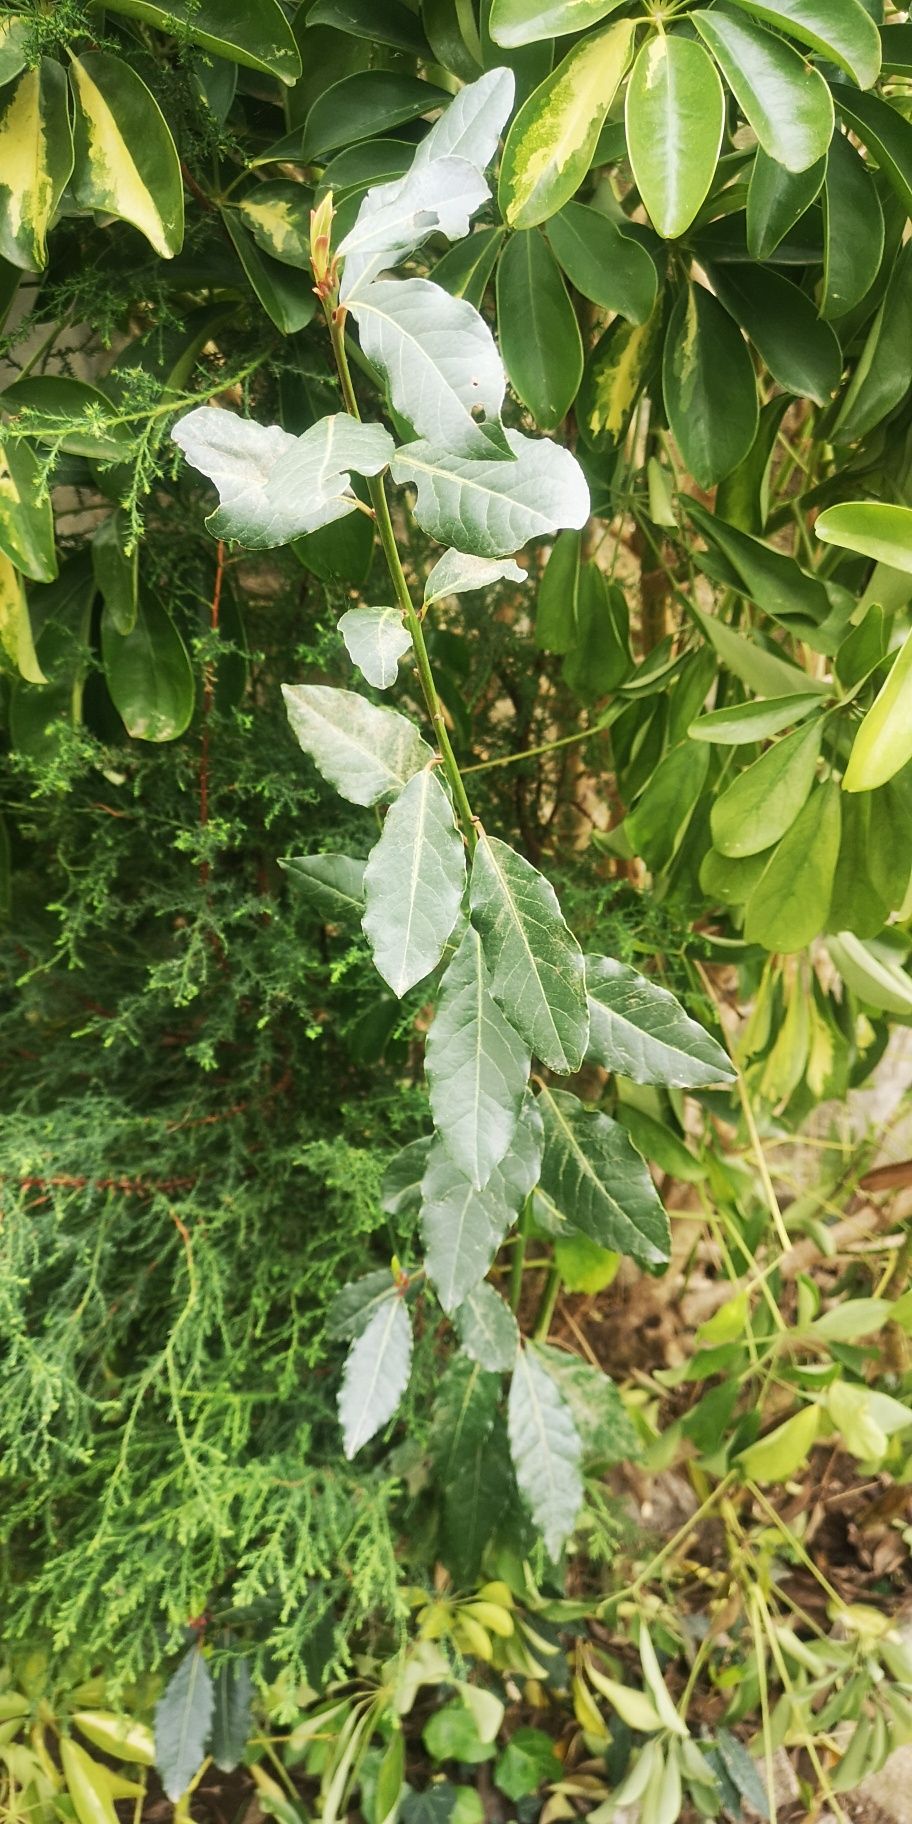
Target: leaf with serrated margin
x,y
333,884
183,1716
493,508
400,1190
472,1464
232,1722
457,574
440,363
375,1375
639,1030
365,751
606,1433
596,1177
375,639
487,1329
413,884
546,1450
462,1227
357,1303
536,964
477,1066
434,198
273,487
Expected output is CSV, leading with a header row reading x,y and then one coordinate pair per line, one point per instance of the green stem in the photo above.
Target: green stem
x,y
518,1260
546,1309
380,504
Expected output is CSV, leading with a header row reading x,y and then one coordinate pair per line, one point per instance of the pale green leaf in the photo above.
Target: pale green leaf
x,y
440,197
883,743
455,573
413,883
675,119
517,22
367,752
440,363
874,528
842,30
763,801
493,508
783,97
477,1066
776,1457
375,639
639,1030
545,1448
744,723
597,1179
357,1303
375,1375
606,1433
487,1329
879,984
126,160
790,903
333,884
536,965
183,1717
552,140
852,1319
36,160
462,1227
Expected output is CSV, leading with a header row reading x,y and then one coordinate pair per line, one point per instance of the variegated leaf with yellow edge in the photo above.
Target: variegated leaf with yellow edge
x,y
550,145
36,159
16,642
126,159
26,518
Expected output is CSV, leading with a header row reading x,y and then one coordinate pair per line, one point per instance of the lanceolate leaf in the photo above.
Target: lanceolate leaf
x,y
376,639
232,1720
333,884
595,1176
675,119
800,350
605,1432
365,751
183,1717
516,22
272,487
536,964
116,571
853,229
126,159
471,1458
551,142
842,30
36,159
546,1450
353,1308
639,1030
252,32
883,743
763,801
493,508
375,1375
784,99
488,1332
413,883
457,574
539,333
462,1227
790,902
440,362
477,1066
885,132
709,386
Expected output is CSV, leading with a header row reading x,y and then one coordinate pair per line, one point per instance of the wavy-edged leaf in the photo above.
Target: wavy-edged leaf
x,y
551,142
546,1450
477,1066
608,266
232,1720
539,333
253,32
462,1227
790,903
781,95
675,118
375,639
26,517
375,1375
493,508
853,222
272,486
436,197
517,22
709,386
332,884
842,30
183,1717
148,673
366,751
36,161
455,573
16,640
641,1031
598,1180
487,1330
536,964
440,362
126,162
413,883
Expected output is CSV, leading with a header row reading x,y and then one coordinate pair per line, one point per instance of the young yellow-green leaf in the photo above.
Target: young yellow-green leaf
x,y
608,266
880,380
744,723
842,30
853,227
36,161
763,671
116,571
488,1332
413,883
709,386
477,1066
253,32
539,334
639,1030
536,964
516,22
333,884
183,1717
873,528
598,1180
375,1375
16,642
278,216
26,519
367,752
866,1418
777,199
126,160
492,508
763,801
550,145
782,97
462,1227
883,743
85,1783
122,1737
675,116
879,984
546,1450
777,1456
790,903
376,639
148,673
440,363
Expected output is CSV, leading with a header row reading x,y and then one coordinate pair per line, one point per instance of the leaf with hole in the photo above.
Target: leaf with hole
x,y
366,751
413,883
440,363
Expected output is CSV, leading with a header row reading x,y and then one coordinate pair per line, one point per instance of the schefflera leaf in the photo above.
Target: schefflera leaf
x,y
675,118
641,1031
536,964
126,160
367,752
36,156
477,1066
413,883
592,1173
550,145
546,1450
376,1375
273,487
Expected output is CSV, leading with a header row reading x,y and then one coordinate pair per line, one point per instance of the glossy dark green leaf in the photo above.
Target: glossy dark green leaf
x,y
64,412
841,30
604,264
252,32
26,517
551,142
556,607
743,498
597,1178
539,333
856,904
452,30
126,162
640,1031
853,229
277,214
600,658
764,801
183,1718
791,901
477,1067
801,352
466,270
881,379
546,1450
657,825
148,673
783,97
675,118
771,578
768,673
777,199
709,387
380,21
116,570
332,884
536,964
369,102
885,132
286,294
340,552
